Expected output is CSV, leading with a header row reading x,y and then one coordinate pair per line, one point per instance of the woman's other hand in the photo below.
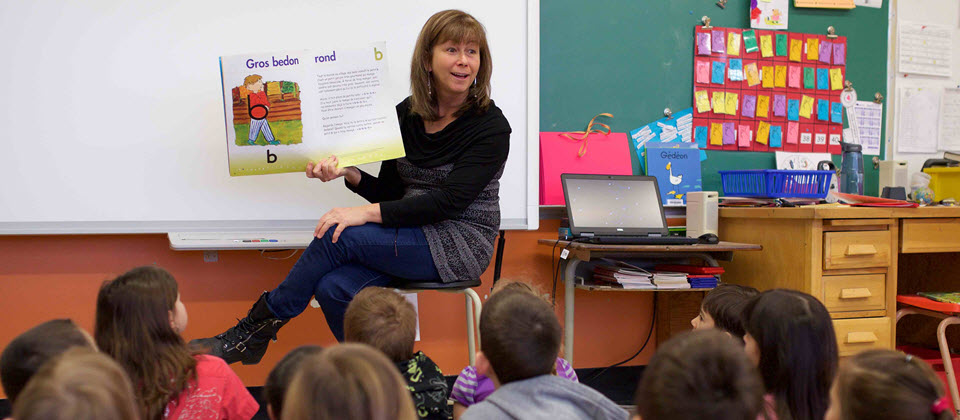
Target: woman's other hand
x,y
343,217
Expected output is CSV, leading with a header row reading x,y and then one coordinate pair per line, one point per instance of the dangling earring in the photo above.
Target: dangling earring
x,y
474,82
429,88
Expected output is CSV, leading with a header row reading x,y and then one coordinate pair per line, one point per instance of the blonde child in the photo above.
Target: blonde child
x,y
80,384
138,322
348,382
472,387
887,384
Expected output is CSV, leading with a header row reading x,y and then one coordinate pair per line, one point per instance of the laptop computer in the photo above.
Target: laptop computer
x,y
617,209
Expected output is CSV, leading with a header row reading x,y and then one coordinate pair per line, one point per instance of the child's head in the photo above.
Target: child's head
x,y
700,375
253,83
80,384
138,322
790,337
382,318
887,384
519,337
278,381
723,308
514,285
31,349
351,382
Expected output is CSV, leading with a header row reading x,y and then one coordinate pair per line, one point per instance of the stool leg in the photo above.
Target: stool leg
x,y
471,344
904,312
947,361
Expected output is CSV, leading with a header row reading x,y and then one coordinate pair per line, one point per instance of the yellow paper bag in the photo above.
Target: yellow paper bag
x,y
795,49
733,43
753,76
703,101
719,103
780,78
763,132
763,103
836,79
732,103
716,134
813,49
766,46
806,106
767,75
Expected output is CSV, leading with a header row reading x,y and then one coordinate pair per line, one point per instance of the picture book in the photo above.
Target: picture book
x,y
677,169
284,109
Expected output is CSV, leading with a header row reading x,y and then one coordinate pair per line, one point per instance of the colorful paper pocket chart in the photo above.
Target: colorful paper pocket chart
x,y
750,41
765,91
733,44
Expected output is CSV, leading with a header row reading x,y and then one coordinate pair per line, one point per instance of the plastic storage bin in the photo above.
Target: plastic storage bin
x,y
775,183
945,182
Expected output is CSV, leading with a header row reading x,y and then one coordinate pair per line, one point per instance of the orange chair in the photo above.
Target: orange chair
x,y
949,314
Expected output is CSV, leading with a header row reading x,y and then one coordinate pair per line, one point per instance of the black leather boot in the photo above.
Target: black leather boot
x,y
247,341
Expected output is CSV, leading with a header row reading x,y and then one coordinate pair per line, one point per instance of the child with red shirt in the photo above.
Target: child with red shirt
x,y
138,322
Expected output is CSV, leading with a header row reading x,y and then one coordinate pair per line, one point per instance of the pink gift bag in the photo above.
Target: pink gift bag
x,y
594,151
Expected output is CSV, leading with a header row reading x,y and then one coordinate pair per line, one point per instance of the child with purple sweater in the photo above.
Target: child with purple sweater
x,y
472,387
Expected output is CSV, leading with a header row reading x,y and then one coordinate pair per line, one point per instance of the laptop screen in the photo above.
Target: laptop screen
x,y
614,204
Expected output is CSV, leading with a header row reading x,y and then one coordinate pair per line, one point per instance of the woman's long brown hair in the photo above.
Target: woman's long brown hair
x,y
133,326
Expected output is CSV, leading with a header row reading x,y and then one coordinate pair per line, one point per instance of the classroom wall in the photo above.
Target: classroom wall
x,y
46,277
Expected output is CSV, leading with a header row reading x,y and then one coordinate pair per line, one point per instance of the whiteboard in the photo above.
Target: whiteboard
x,y
113,111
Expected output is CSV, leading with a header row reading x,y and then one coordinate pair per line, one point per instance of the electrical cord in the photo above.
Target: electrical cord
x,y
653,320
264,251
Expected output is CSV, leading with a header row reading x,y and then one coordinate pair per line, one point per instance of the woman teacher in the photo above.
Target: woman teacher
x,y
434,214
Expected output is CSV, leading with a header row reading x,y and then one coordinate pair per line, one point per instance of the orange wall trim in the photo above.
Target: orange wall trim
x,y
47,277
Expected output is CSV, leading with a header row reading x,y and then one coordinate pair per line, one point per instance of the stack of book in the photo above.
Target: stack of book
x,y
670,280
700,277
623,275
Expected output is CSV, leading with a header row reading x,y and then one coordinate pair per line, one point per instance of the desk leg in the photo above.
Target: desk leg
x,y
569,276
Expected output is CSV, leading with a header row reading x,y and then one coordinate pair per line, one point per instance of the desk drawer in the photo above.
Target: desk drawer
x,y
854,293
856,249
931,235
856,335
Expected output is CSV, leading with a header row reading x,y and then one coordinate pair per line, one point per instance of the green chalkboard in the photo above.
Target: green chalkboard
x,y
634,58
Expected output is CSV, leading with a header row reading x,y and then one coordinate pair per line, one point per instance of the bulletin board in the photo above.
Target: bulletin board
x,y
766,91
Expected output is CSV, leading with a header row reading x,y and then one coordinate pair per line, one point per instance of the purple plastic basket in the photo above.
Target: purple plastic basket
x,y
775,183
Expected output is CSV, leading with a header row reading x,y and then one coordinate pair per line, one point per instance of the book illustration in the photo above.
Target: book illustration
x,y
285,109
677,170
266,112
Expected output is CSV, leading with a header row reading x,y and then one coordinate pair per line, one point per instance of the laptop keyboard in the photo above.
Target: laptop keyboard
x,y
642,240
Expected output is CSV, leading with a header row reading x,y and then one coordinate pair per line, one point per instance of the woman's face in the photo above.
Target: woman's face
x,y
753,351
454,68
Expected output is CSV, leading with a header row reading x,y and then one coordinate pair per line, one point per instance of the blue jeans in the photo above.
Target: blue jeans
x,y
367,255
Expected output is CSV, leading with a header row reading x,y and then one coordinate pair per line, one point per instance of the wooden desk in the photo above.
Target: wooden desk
x,y
580,252
846,256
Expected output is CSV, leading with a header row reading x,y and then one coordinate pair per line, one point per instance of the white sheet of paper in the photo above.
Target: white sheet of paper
x,y
924,49
412,298
799,161
869,117
774,14
918,114
950,120
876,4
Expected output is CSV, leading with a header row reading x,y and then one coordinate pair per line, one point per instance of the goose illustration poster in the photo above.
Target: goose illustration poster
x,y
284,109
677,168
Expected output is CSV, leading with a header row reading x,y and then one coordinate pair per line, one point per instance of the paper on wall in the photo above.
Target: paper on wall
x,y
950,120
876,4
917,114
869,118
412,298
769,14
924,49
799,161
